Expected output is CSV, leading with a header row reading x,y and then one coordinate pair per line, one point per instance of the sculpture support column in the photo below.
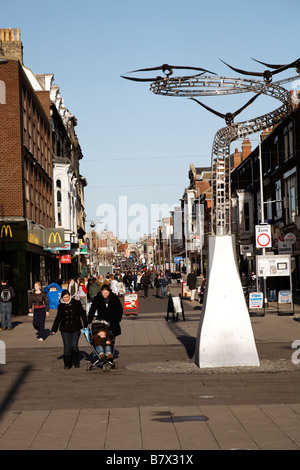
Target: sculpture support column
x,y
225,336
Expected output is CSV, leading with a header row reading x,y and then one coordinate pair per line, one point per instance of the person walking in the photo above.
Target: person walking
x,y
138,281
146,283
191,283
157,286
72,287
93,289
38,302
128,281
152,278
114,285
70,318
108,308
163,282
6,296
81,293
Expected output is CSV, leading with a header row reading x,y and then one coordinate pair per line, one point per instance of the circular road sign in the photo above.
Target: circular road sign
x,y
263,239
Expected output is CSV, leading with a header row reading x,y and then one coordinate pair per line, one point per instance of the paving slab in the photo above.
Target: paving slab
x,y
157,399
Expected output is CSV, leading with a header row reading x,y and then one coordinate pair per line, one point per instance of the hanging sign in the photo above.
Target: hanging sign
x,y
290,238
65,259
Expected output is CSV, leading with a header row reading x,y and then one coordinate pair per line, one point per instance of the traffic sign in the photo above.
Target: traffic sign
x,y
263,236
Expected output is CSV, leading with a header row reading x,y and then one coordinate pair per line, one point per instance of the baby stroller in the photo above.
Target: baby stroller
x,y
105,363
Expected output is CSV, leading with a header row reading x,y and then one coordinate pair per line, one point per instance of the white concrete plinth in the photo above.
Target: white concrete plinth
x,y
225,335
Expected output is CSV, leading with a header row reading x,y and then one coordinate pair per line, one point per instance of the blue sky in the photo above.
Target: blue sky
x,y
136,144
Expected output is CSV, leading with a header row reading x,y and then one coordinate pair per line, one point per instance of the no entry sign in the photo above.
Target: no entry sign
x,y
263,236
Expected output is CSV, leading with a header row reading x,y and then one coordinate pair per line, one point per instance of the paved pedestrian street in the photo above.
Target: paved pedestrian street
x,y
157,399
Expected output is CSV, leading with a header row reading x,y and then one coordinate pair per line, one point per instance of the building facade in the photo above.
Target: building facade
x,y
279,174
28,227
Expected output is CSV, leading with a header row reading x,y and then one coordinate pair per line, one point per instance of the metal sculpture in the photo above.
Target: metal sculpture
x,y
225,337
202,85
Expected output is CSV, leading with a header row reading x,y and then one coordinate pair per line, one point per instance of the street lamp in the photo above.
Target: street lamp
x,y
159,232
93,244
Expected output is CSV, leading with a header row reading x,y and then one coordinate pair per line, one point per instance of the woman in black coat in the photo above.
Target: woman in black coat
x,y
70,319
109,308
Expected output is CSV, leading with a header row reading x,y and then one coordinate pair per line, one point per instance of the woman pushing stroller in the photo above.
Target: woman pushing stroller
x,y
104,330
108,308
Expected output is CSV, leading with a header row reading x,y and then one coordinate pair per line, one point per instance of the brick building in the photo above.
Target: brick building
x,y
27,215
280,178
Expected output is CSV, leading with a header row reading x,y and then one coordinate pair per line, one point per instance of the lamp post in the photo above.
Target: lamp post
x,y
93,243
262,214
159,232
92,225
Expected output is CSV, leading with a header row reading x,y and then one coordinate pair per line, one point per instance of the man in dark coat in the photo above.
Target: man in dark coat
x,y
191,283
109,308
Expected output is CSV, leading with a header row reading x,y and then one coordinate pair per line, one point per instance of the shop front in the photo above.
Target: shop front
x,y
24,260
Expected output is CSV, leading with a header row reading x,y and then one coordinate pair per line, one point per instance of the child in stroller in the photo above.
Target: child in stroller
x,y
101,339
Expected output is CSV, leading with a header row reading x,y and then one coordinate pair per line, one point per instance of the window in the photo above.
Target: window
x,y
276,152
245,211
266,161
288,141
247,216
38,140
278,198
34,132
290,187
269,209
24,118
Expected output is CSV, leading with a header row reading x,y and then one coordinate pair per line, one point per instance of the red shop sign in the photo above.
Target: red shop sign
x,y
65,259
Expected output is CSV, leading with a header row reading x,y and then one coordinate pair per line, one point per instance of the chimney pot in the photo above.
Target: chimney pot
x,y
11,44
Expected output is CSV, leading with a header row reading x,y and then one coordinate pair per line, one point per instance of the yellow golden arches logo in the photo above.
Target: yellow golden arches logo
x,y
6,231
54,235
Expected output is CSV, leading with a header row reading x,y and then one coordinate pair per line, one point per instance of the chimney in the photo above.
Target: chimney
x,y
295,98
236,158
11,44
246,149
265,133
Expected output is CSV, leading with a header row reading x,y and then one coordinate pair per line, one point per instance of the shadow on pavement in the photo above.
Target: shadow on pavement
x,y
189,342
14,389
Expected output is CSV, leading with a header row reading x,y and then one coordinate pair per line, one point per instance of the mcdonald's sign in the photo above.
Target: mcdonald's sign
x,y
54,237
6,231
13,232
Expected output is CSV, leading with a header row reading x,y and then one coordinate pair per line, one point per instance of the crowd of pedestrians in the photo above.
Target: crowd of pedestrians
x,y
129,280
82,298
